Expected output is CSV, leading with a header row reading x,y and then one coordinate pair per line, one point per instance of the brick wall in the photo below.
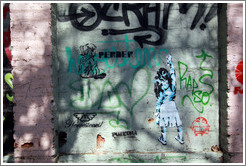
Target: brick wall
x,y
235,81
31,42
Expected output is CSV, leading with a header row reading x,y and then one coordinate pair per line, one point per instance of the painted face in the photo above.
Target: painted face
x,y
165,84
163,76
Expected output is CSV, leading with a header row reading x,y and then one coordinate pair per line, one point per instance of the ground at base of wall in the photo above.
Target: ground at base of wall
x,y
210,157
8,158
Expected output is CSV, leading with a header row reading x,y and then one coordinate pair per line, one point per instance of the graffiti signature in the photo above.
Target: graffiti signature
x,y
199,96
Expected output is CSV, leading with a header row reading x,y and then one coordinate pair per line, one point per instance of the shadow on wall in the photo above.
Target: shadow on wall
x,y
32,72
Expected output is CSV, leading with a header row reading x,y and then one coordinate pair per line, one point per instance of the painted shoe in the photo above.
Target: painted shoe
x,y
180,140
162,140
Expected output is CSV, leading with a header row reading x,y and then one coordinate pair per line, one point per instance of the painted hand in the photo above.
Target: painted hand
x,y
169,59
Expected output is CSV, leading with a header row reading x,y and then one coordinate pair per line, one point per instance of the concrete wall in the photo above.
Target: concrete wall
x,y
112,119
108,114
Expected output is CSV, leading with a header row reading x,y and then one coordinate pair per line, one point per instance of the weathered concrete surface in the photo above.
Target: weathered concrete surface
x,y
31,42
113,117
235,82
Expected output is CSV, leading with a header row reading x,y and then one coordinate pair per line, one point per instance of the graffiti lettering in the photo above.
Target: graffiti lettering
x,y
199,96
87,17
117,54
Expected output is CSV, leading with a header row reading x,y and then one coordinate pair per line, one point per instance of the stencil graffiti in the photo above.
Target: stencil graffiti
x,y
166,111
239,77
198,95
87,63
125,134
82,119
200,126
87,17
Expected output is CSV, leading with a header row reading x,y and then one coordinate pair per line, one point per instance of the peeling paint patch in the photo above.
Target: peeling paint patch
x,y
150,120
27,145
15,145
215,148
100,141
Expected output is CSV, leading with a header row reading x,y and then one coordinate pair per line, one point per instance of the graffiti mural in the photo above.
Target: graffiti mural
x,y
166,111
111,55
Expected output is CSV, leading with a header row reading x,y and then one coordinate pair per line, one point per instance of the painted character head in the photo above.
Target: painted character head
x,y
88,49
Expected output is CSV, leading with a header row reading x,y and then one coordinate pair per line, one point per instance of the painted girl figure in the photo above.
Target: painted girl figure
x,y
166,112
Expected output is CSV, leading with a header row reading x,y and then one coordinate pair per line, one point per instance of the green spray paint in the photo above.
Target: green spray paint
x,y
160,160
129,89
199,96
112,92
8,79
129,159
